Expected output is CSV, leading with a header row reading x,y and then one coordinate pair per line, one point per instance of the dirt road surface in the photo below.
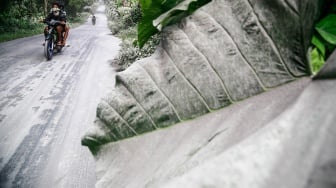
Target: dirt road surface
x,y
46,106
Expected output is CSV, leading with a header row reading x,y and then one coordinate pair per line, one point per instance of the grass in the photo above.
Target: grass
x,y
7,36
128,34
75,22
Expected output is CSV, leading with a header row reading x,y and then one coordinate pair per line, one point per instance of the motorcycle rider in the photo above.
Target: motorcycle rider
x,y
66,27
93,19
55,14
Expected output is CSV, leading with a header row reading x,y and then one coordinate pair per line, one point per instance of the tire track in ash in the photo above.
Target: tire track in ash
x,y
24,166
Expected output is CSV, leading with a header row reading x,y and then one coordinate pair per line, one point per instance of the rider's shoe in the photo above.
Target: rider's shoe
x,y
59,43
63,43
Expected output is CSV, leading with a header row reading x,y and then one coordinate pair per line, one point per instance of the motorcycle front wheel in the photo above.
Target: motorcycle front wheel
x,y
48,49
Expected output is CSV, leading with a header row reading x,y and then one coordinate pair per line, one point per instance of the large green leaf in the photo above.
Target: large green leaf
x,y
317,60
165,12
327,28
180,11
319,45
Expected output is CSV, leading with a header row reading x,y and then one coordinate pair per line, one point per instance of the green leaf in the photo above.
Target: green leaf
x,y
319,45
180,11
317,60
145,31
327,28
164,12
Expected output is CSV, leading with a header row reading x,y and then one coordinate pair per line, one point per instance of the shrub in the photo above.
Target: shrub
x,y
130,52
115,27
123,23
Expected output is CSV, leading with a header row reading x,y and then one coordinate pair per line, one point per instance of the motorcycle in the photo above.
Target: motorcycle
x,y
50,45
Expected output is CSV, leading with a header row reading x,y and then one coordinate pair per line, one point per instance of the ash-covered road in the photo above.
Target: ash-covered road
x,y
46,106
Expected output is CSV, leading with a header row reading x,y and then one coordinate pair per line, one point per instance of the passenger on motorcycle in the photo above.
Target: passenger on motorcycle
x,y
56,14
66,27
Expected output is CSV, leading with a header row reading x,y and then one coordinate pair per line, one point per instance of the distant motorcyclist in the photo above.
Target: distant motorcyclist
x,y
55,14
93,19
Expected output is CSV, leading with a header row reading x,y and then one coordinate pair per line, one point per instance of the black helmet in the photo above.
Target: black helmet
x,y
60,4
55,3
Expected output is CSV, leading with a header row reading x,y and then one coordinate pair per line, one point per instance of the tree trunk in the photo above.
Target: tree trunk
x,y
45,7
